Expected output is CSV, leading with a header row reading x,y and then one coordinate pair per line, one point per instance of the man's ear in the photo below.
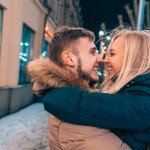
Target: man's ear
x,y
67,58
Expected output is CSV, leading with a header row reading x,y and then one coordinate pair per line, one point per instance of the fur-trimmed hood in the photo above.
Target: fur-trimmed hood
x,y
45,74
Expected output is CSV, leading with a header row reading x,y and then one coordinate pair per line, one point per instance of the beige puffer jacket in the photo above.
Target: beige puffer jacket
x,y
62,135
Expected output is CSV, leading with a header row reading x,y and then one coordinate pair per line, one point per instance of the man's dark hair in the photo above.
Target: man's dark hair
x,y
65,39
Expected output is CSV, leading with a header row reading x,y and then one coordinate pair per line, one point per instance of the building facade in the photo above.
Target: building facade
x,y
26,28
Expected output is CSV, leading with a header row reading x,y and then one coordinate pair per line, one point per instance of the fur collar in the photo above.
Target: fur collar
x,y
45,74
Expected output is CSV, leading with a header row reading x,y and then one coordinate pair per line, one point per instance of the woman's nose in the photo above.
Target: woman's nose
x,y
106,60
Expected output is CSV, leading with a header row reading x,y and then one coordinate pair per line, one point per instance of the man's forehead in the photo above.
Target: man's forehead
x,y
85,39
85,43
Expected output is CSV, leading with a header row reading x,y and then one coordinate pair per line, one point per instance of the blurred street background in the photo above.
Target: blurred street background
x,y
26,29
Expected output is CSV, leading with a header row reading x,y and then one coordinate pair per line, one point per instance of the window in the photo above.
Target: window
x,y
45,46
1,19
25,52
48,35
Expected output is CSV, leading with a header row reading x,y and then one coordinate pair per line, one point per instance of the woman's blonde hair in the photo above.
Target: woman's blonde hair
x,y
136,58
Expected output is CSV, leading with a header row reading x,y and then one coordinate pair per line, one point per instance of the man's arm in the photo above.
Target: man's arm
x,y
123,111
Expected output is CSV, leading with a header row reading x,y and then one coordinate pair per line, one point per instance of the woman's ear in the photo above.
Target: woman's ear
x,y
67,58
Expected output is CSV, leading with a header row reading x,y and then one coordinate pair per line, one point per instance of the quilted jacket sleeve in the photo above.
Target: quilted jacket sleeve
x,y
121,111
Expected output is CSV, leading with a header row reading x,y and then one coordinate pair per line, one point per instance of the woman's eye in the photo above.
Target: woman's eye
x,y
112,54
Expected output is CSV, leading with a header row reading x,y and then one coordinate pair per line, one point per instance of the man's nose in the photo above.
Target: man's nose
x,y
100,58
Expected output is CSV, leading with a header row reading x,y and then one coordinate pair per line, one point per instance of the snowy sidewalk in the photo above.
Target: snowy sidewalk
x,y
26,129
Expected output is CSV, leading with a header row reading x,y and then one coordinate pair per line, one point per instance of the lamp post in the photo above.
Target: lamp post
x,y
141,14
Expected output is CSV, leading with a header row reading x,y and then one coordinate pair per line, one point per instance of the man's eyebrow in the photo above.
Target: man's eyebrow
x,y
93,48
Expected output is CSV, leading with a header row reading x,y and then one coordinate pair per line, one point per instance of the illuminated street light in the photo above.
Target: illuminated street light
x,y
101,33
108,38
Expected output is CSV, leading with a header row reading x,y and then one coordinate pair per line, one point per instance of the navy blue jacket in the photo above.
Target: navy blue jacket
x,y
126,113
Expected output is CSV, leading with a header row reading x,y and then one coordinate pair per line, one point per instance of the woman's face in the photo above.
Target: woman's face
x,y
114,56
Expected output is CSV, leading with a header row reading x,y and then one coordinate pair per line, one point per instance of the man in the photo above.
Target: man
x,y
73,61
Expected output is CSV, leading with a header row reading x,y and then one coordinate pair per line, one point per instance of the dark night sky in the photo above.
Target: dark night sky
x,y
97,11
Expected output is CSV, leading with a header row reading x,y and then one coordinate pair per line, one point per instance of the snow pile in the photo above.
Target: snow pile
x,y
25,130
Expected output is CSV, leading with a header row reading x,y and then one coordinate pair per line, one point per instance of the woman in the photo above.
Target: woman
x,y
123,105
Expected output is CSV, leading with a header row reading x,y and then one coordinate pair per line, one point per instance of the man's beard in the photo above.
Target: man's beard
x,y
84,75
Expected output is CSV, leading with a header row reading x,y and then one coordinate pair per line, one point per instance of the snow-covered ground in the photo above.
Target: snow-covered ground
x,y
26,129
